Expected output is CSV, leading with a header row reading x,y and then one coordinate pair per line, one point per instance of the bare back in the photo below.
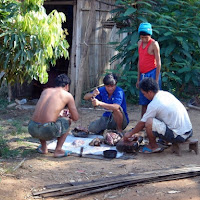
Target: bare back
x,y
51,103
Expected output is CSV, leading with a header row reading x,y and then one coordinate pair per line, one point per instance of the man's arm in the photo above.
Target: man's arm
x,y
139,127
96,102
158,59
138,76
88,96
72,108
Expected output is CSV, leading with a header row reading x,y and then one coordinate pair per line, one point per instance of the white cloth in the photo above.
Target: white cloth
x,y
168,109
75,143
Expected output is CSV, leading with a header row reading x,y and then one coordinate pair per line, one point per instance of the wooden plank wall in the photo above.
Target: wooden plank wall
x,y
99,54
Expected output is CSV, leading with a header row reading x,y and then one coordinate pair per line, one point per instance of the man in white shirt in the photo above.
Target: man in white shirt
x,y
166,118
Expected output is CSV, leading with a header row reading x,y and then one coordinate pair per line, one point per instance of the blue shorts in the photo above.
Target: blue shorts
x,y
142,99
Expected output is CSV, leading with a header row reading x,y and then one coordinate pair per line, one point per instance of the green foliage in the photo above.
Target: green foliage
x,y
175,26
5,152
30,40
18,127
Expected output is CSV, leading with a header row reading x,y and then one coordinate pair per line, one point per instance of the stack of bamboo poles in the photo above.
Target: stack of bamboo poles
x,y
79,189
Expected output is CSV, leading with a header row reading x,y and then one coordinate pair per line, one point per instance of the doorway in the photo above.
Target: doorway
x,y
62,65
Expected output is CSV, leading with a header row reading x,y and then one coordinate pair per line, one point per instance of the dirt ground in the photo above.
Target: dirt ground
x,y
39,170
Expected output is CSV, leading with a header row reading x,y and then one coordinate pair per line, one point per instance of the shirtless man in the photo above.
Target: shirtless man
x,y
49,120
149,63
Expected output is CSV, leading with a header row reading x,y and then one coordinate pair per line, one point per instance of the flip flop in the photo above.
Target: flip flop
x,y
39,150
147,150
63,155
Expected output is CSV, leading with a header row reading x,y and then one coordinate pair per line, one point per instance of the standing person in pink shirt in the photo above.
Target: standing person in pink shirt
x,y
149,63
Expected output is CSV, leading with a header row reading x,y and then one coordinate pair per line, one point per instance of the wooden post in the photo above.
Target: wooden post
x,y
73,53
90,25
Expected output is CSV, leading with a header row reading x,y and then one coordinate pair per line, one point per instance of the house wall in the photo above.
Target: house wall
x,y
96,62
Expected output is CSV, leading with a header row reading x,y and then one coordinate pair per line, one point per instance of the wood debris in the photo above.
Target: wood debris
x,y
80,189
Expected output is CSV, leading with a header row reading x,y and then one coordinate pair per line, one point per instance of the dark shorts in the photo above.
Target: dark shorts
x,y
142,99
163,132
98,126
50,130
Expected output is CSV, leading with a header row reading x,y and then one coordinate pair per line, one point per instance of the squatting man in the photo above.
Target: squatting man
x,y
49,121
165,118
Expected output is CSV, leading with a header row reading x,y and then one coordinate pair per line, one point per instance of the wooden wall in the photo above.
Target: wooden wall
x,y
99,52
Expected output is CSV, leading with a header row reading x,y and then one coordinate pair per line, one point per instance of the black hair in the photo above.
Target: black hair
x,y
110,79
62,80
144,33
148,84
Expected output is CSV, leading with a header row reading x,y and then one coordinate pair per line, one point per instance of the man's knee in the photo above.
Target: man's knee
x,y
91,127
148,123
94,127
117,112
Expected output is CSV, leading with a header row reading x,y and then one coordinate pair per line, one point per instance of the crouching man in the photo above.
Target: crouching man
x,y
165,118
49,121
112,99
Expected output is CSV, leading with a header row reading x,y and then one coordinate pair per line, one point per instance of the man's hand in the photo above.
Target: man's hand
x,y
96,92
65,113
95,102
128,136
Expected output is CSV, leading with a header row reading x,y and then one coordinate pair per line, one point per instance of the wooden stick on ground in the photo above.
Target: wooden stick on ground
x,y
111,183
19,165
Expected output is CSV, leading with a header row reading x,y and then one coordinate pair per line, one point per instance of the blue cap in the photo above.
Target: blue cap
x,y
145,27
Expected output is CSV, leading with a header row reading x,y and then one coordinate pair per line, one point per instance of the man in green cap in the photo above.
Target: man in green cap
x,y
149,62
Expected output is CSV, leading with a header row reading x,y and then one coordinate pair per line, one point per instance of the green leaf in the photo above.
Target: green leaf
x,y
185,46
17,55
187,54
130,11
6,61
12,41
169,49
184,69
177,57
6,39
187,77
198,40
164,79
168,33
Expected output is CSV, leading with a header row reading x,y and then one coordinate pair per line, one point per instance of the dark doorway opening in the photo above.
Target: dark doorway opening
x,y
62,65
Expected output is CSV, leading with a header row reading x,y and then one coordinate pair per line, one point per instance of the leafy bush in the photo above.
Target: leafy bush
x,y
175,26
30,40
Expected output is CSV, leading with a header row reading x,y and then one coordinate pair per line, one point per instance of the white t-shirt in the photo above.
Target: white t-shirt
x,y
168,109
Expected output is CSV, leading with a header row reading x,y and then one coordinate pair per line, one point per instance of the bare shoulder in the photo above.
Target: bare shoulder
x,y
66,94
139,42
47,91
155,43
